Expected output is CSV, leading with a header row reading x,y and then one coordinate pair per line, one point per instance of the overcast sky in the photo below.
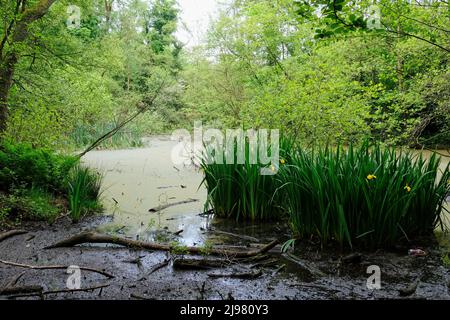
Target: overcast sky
x,y
195,16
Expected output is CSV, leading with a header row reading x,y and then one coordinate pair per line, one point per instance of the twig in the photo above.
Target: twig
x,y
21,289
242,236
139,297
14,280
155,268
165,206
178,232
304,266
122,124
42,293
21,265
241,275
76,290
11,233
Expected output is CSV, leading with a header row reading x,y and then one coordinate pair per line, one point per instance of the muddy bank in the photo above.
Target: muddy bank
x,y
341,276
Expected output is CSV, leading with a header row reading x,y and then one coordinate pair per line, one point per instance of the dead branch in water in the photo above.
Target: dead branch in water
x,y
165,206
241,236
11,233
21,265
92,237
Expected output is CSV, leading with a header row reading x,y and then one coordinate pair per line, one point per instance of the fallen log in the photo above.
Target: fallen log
x,y
11,233
92,237
21,265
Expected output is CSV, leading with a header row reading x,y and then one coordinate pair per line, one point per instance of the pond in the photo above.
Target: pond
x,y
136,180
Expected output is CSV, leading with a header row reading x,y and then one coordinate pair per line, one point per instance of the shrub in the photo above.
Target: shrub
x,y
369,195
30,204
23,166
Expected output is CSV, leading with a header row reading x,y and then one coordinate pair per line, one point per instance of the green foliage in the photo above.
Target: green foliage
x,y
37,184
177,248
23,166
269,68
368,196
28,204
83,192
238,190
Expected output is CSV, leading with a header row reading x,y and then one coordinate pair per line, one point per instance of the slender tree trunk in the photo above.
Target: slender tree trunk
x,y
18,35
399,59
6,80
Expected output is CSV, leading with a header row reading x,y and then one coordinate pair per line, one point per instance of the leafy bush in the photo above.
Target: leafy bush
x,y
32,204
37,184
23,166
368,196
83,190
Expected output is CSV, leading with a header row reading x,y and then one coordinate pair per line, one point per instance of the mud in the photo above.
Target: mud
x,y
139,179
342,280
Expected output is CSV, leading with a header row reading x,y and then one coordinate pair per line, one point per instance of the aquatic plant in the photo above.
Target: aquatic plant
x,y
239,190
83,191
369,195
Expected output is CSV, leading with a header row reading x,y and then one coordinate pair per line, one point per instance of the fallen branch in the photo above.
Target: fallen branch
x,y
11,233
304,266
202,264
139,297
21,265
21,290
42,293
178,232
155,268
92,237
14,280
241,236
165,206
239,275
76,290
122,124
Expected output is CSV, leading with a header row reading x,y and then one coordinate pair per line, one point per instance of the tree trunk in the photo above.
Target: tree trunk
x,y
8,62
6,80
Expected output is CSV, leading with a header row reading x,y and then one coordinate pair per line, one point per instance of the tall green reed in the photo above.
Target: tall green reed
x,y
84,190
370,196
